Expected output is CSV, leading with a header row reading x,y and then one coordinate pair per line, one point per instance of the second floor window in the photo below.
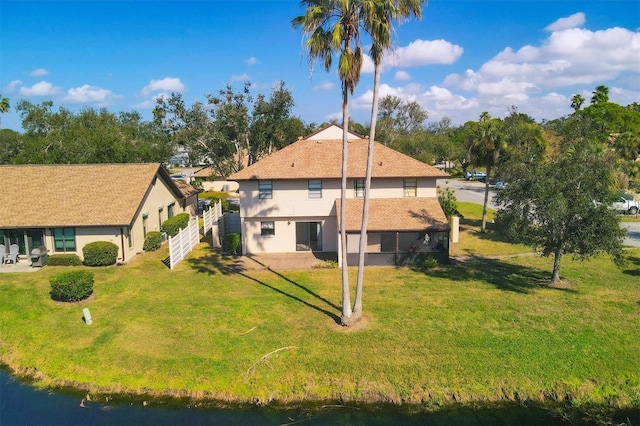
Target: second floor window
x,y
315,189
265,189
410,186
358,188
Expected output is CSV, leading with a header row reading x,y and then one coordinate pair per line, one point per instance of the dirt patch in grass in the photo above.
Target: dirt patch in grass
x,y
364,324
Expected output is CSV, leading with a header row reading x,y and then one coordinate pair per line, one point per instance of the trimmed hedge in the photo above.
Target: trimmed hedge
x,y
232,243
174,224
64,259
100,253
71,286
152,241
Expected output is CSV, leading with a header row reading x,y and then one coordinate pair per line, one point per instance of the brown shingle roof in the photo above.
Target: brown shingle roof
x,y
75,195
310,159
395,214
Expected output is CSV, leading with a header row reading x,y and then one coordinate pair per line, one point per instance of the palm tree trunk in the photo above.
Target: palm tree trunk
x,y
483,228
346,297
357,309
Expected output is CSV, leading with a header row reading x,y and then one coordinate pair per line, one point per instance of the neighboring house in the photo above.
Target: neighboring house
x,y
64,207
290,201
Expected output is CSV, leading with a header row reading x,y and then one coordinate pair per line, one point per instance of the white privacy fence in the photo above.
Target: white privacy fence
x,y
211,217
182,244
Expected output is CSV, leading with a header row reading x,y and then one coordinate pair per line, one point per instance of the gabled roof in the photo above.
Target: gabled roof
x,y
407,214
317,159
59,195
333,131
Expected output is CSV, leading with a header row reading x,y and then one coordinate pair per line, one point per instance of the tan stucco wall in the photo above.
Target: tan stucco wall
x,y
290,202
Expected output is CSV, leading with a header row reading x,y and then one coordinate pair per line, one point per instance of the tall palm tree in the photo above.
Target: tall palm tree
x,y
576,102
377,17
4,106
600,95
485,142
333,27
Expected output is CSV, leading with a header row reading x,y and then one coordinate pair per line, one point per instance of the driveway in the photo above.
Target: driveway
x,y
633,233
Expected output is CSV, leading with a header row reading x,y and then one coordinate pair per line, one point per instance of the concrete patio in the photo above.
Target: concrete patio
x,y
23,265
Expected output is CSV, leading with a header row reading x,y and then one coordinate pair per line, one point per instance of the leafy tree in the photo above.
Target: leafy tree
x,y
577,101
399,118
11,144
486,140
268,129
333,27
560,205
89,136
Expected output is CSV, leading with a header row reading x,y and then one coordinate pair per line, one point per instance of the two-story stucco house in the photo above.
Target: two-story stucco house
x,y
63,207
290,201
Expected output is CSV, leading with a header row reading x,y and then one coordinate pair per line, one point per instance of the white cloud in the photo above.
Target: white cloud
x,y
415,54
568,57
89,94
13,86
424,52
44,88
402,76
167,84
324,85
572,21
39,72
241,77
251,61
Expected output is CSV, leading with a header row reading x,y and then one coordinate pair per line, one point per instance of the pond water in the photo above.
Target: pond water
x,y
21,404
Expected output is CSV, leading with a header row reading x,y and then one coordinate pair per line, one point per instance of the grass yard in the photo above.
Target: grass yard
x,y
481,331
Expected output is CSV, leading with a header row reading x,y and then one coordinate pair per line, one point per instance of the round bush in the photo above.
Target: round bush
x,y
152,241
174,224
64,259
71,286
100,253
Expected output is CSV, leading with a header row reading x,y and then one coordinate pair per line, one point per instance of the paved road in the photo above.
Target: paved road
x,y
473,192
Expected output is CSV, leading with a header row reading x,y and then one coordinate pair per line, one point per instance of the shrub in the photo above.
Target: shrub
x,y
100,253
152,241
448,202
429,262
174,224
71,286
232,243
64,259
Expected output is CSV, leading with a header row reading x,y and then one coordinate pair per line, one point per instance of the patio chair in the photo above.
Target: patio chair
x,y
13,254
2,254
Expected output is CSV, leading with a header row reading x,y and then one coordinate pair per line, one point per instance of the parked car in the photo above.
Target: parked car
x,y
475,175
500,185
626,204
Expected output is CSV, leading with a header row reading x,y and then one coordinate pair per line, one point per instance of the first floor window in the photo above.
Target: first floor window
x,y
265,189
267,227
64,239
170,210
358,188
410,186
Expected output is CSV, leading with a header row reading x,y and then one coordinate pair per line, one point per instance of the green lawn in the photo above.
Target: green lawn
x,y
483,330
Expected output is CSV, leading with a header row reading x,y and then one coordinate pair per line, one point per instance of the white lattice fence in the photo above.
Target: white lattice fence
x,y
182,244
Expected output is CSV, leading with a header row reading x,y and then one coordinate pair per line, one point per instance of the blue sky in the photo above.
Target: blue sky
x,y
462,58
